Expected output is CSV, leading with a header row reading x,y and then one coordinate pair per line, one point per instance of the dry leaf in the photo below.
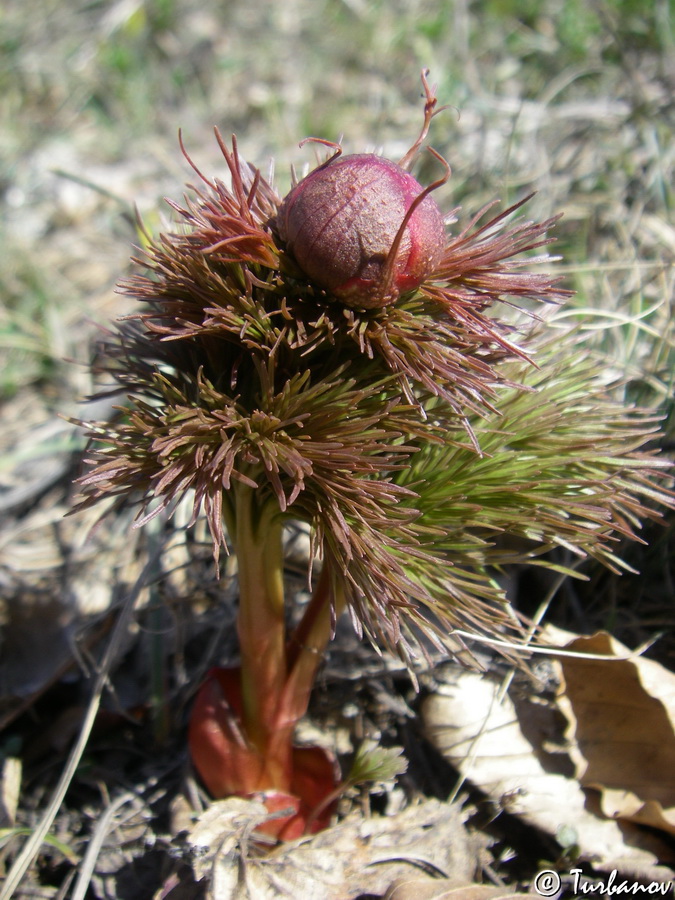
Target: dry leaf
x,y
622,724
441,889
216,842
483,738
357,856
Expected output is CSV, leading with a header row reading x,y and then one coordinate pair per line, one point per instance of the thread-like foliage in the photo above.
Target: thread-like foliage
x,y
412,438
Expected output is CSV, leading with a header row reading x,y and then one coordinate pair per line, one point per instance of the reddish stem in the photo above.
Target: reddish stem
x,y
262,634
307,644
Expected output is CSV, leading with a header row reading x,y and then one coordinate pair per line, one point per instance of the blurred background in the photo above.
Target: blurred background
x,y
572,98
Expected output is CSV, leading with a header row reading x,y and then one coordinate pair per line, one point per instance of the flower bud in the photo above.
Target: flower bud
x,y
344,224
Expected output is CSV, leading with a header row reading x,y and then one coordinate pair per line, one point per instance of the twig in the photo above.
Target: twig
x,y
95,843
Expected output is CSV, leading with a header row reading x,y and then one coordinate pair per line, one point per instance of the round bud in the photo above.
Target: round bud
x,y
342,225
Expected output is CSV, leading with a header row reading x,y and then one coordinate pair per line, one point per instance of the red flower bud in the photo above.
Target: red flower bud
x,y
354,227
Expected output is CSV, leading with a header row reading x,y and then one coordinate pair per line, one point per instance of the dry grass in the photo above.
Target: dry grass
x,y
574,100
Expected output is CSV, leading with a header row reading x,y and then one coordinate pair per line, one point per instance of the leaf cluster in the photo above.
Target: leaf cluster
x,y
414,439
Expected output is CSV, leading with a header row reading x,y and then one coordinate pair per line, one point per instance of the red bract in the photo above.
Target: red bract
x,y
302,780
363,228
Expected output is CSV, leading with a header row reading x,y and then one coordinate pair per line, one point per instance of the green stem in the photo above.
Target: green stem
x,y
262,633
276,676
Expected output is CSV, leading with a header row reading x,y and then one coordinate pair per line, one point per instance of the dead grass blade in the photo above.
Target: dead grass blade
x,y
32,846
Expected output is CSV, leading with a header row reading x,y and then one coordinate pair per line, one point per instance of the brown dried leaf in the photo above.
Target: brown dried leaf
x,y
482,736
621,714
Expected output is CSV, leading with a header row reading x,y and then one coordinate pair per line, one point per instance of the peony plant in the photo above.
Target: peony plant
x,y
333,358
